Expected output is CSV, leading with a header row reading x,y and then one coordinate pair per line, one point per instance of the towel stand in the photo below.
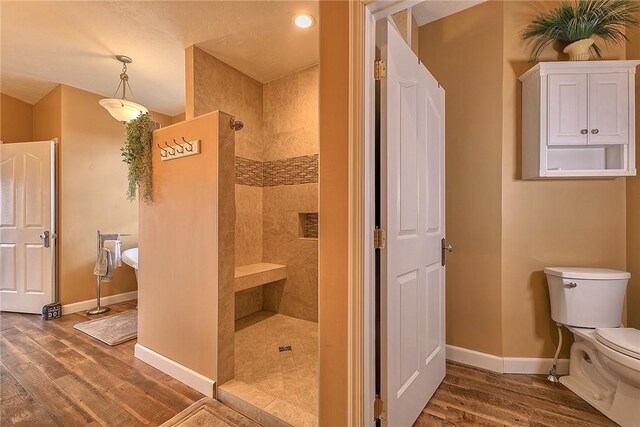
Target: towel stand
x,y
101,237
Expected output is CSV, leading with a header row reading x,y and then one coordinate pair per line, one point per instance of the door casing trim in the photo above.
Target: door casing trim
x,y
361,352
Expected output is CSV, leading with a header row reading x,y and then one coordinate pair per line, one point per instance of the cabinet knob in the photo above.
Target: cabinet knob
x,y
594,131
584,131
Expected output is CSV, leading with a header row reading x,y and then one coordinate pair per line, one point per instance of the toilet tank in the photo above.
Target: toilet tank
x,y
586,297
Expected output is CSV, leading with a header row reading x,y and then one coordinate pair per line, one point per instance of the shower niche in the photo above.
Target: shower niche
x,y
308,225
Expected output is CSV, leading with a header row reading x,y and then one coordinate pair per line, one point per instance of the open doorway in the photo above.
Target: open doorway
x,y
271,374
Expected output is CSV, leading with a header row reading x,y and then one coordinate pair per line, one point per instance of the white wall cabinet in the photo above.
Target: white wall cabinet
x,y
578,119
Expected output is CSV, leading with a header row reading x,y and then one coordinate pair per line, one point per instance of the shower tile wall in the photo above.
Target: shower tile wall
x,y
291,131
218,86
276,177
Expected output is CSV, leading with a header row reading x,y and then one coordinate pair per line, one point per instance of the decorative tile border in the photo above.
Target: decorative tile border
x,y
249,172
291,171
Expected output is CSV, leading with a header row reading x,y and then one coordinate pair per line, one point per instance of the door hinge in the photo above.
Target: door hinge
x,y
378,410
379,69
379,238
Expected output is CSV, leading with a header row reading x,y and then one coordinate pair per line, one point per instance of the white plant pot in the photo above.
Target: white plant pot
x,y
579,50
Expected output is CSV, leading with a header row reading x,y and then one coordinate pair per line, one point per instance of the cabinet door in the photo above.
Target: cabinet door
x,y
609,108
567,109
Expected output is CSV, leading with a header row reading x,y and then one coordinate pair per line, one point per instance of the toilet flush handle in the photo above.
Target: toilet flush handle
x,y
570,285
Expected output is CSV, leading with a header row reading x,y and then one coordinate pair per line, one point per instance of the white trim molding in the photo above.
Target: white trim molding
x,y
526,365
475,358
505,365
89,304
172,368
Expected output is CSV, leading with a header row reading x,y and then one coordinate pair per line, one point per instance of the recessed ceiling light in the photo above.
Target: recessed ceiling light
x,y
304,21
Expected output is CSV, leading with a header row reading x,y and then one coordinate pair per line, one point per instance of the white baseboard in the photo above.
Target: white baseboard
x,y
183,374
505,365
475,358
524,365
89,304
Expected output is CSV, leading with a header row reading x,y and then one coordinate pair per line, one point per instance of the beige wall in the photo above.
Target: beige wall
x,y
92,182
290,112
633,208
333,373
291,130
537,223
455,50
280,121
47,118
217,86
93,185
186,292
572,222
178,118
16,120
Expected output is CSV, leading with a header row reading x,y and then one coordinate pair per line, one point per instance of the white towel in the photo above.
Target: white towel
x,y
116,253
104,265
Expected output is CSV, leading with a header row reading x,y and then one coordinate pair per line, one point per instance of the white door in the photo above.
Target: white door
x,y
412,347
568,123
27,198
609,108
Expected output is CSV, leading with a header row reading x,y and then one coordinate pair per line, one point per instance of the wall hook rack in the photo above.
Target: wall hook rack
x,y
177,150
190,144
163,152
173,150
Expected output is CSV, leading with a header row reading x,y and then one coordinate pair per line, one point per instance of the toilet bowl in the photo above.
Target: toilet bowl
x,y
604,365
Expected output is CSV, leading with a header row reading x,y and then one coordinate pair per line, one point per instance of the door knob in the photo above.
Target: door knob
x,y
584,131
445,248
45,236
594,131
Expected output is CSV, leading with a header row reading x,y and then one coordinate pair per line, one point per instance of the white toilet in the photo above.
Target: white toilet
x,y
604,367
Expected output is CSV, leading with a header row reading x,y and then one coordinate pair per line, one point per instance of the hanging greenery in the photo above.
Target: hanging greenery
x,y
137,154
580,19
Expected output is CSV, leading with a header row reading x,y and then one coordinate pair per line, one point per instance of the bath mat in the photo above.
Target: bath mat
x,y
208,412
114,329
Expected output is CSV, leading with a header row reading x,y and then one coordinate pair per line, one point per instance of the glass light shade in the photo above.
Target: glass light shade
x,y
122,110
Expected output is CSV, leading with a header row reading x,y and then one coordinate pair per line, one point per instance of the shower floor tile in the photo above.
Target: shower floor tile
x,y
288,376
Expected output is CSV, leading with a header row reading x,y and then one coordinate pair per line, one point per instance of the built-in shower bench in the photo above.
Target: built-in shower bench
x,y
258,274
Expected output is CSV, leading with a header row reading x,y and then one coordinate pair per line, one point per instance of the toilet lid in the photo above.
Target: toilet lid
x,y
623,340
587,273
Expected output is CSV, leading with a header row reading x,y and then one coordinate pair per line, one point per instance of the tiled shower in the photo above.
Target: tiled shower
x,y
276,347
276,226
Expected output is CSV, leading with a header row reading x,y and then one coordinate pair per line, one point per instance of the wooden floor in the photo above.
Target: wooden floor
x,y
469,396
51,374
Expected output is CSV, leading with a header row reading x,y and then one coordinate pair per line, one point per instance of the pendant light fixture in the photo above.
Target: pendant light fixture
x,y
122,109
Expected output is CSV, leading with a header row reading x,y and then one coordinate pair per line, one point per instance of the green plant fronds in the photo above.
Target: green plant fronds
x,y
137,154
582,19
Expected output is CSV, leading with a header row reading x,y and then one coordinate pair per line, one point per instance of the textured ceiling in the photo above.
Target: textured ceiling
x,y
46,43
432,10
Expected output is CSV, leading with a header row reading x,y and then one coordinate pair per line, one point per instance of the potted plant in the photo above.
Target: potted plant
x,y
575,22
137,154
